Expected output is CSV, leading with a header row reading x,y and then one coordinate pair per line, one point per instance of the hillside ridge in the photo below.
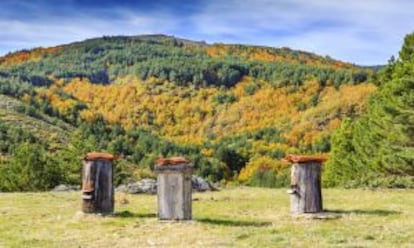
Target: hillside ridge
x,y
163,38
233,110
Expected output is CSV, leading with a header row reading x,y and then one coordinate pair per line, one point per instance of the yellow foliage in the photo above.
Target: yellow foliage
x,y
261,163
62,105
268,54
207,152
189,116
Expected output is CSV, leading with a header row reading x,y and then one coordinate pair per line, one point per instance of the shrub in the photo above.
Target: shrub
x,y
29,169
264,172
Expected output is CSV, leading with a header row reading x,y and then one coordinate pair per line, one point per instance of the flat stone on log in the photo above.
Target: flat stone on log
x,y
304,159
171,161
93,156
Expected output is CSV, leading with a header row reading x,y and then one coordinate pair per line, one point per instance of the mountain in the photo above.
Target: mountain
x,y
234,110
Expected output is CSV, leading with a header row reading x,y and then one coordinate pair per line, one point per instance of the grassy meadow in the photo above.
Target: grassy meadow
x,y
233,217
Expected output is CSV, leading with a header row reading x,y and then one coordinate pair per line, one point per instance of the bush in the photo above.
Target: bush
x,y
264,172
401,182
251,89
30,169
269,179
223,97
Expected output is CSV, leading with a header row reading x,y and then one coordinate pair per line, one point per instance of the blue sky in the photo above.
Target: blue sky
x,y
365,32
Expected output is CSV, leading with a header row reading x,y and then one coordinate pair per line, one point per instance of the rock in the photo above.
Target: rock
x,y
65,188
199,184
144,186
149,186
122,188
134,188
214,186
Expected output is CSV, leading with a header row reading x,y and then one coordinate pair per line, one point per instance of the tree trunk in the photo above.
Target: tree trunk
x,y
97,187
306,195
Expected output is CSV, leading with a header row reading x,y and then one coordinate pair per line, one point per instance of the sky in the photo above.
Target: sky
x,y
364,32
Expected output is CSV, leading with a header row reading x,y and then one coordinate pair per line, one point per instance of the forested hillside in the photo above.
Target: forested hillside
x,y
234,110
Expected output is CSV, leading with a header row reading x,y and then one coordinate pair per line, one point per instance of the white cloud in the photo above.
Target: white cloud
x,y
54,30
362,32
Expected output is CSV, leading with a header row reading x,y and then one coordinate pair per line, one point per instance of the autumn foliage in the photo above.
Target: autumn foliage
x,y
234,110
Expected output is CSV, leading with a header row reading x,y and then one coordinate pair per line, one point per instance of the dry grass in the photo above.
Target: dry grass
x,y
238,217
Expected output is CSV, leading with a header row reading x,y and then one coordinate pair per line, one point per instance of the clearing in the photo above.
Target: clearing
x,y
233,217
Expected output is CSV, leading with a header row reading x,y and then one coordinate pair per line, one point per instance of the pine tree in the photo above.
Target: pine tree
x,y
378,148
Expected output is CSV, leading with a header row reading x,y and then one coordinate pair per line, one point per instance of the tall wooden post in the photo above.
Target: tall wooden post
x,y
97,183
174,188
305,192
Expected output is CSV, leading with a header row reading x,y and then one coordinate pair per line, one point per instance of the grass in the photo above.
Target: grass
x,y
236,217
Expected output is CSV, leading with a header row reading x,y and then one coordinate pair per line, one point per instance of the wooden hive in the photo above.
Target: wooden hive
x,y
306,193
174,188
97,183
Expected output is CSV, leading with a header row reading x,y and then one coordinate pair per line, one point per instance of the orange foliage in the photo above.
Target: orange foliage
x,y
268,54
188,116
24,56
62,105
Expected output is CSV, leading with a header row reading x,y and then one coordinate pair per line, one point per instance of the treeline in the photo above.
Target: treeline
x,y
29,166
378,148
103,60
224,160
32,164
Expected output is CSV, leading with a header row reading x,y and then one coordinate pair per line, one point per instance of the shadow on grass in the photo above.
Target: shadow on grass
x,y
129,214
378,212
226,222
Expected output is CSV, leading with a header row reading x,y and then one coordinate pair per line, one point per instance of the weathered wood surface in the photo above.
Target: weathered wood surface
x,y
306,193
97,187
174,192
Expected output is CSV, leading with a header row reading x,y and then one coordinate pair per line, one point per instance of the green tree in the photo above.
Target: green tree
x,y
30,169
378,148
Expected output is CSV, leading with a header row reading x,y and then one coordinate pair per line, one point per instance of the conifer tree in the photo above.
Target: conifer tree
x,y
378,148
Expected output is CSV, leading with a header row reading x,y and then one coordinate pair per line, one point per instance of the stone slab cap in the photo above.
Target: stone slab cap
x,y
304,159
171,161
93,156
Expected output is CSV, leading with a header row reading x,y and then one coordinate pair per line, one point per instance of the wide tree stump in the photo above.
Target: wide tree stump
x,y
306,193
174,189
97,183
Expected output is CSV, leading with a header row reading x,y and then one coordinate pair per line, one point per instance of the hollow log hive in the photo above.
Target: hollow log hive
x,y
305,192
97,183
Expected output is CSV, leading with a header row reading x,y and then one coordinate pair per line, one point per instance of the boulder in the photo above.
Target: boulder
x,y
149,186
134,188
122,188
199,184
144,186
65,188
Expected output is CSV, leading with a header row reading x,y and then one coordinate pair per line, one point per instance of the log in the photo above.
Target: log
x,y
306,193
97,186
174,191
